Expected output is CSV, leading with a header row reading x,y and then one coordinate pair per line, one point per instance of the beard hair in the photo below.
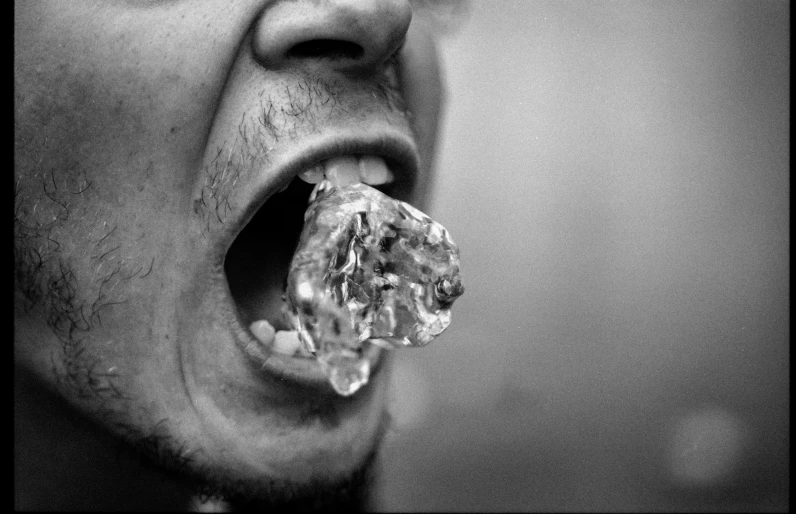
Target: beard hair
x,y
350,492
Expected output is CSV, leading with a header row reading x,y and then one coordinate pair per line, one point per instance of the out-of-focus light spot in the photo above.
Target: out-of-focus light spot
x,y
411,392
705,447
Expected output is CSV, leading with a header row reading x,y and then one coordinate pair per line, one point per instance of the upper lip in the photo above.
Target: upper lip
x,y
396,147
399,152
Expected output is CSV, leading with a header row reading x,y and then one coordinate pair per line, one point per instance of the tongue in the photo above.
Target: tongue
x,y
368,270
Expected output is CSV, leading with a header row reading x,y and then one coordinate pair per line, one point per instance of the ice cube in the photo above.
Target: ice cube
x,y
368,270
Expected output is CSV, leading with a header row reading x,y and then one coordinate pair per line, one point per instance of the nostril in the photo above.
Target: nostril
x,y
326,49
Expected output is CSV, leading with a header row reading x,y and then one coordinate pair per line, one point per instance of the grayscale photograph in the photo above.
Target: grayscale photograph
x,y
401,255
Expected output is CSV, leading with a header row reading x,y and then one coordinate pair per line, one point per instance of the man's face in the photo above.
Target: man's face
x,y
152,141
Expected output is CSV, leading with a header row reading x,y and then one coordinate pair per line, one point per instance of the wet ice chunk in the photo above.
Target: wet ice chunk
x,y
368,270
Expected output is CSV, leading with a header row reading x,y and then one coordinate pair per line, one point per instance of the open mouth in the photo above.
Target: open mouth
x,y
257,262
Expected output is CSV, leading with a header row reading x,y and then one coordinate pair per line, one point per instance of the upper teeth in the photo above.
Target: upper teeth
x,y
348,169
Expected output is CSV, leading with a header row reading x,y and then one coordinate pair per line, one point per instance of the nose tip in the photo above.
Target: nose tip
x,y
347,35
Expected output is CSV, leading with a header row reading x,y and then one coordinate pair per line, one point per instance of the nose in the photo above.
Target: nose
x,y
354,36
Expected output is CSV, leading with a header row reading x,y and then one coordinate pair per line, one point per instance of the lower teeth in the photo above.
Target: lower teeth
x,y
287,342
368,270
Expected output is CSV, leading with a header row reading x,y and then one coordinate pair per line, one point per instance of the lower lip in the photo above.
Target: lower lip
x,y
306,371
298,372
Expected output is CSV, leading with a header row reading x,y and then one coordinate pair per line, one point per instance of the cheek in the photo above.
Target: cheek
x,y
94,216
106,298
94,178
104,170
123,128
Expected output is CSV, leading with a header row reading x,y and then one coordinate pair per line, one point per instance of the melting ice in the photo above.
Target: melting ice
x,y
368,270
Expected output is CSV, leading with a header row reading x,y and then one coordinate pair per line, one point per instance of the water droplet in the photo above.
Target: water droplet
x,y
347,374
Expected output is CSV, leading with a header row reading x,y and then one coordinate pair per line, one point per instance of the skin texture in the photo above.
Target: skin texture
x,y
147,136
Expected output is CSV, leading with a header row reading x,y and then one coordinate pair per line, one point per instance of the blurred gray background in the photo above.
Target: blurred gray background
x,y
617,177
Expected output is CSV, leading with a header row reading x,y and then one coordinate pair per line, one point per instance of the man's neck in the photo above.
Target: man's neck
x,y
63,462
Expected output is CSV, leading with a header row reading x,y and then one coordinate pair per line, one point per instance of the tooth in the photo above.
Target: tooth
x,y
263,331
287,342
312,175
374,171
343,171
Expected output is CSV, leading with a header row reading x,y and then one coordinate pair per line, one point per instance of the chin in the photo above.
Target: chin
x,y
329,463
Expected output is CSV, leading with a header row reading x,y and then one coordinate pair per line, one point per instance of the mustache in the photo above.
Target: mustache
x,y
307,106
